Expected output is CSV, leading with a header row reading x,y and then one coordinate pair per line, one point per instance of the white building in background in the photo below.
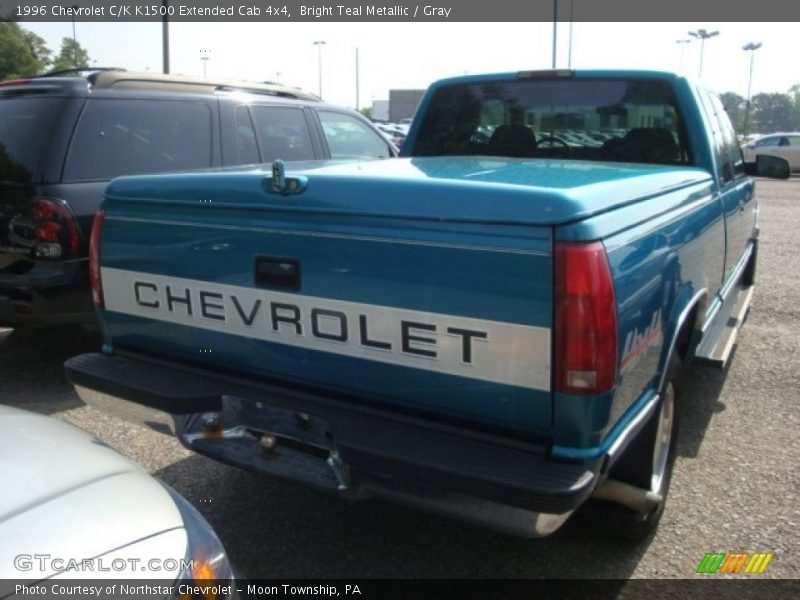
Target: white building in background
x,y
380,110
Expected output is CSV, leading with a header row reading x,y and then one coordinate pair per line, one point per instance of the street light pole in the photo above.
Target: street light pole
x,y
74,40
683,48
751,48
702,35
357,106
205,54
319,44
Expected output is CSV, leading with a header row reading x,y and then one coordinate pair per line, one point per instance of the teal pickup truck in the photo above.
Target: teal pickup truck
x,y
491,326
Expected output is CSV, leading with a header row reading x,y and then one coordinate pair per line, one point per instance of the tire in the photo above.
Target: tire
x,y
647,463
772,166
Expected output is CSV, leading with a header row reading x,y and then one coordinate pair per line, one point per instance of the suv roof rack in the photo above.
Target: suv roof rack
x,y
119,79
81,72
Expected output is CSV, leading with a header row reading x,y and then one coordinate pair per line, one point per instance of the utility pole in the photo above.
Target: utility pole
x,y
555,30
702,35
571,20
165,37
751,48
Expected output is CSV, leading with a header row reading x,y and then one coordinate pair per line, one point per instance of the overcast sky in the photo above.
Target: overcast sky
x,y
412,55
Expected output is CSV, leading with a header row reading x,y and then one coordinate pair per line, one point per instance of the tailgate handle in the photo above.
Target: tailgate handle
x,y
278,272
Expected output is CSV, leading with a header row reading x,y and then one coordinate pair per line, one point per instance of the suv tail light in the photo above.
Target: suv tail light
x,y
9,82
55,231
585,319
95,281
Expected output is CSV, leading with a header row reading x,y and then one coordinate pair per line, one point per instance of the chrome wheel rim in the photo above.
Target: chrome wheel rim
x,y
663,440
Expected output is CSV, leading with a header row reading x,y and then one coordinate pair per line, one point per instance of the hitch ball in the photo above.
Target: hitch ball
x,y
212,425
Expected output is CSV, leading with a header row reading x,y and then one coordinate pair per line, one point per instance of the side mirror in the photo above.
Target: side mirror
x,y
769,166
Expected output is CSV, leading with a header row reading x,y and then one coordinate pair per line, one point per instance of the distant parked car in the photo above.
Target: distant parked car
x,y
394,132
782,145
73,507
62,138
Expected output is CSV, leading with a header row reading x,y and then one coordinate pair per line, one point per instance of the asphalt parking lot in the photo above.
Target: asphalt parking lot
x,y
735,486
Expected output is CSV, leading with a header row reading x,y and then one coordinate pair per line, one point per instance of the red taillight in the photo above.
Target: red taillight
x,y
43,210
95,280
55,230
585,319
8,82
48,231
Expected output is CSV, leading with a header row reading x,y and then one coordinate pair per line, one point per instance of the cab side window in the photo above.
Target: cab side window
x,y
716,135
729,153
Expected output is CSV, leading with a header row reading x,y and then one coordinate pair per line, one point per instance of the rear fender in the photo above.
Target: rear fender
x,y
683,314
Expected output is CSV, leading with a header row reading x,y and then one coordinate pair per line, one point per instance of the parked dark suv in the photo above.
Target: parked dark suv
x,y
63,138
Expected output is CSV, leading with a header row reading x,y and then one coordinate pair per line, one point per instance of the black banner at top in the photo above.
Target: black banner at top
x,y
400,10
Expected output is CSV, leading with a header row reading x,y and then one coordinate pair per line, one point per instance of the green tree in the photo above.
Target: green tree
x,y
794,93
39,49
367,111
22,53
772,112
71,56
735,107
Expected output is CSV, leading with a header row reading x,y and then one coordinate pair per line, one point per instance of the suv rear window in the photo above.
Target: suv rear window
x,y
26,127
126,137
588,119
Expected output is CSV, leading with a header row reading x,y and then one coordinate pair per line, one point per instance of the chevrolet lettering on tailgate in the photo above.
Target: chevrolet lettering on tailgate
x,y
480,349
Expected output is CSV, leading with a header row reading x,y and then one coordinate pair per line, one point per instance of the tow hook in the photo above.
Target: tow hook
x,y
635,498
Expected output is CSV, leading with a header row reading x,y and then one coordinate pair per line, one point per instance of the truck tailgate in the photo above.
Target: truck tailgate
x,y
443,317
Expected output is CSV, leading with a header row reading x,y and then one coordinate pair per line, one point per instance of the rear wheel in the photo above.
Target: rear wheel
x,y
647,464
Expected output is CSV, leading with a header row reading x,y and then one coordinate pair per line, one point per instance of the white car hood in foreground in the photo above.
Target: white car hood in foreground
x,y
68,495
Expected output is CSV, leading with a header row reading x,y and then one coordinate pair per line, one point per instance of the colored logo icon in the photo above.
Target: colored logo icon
x,y
735,562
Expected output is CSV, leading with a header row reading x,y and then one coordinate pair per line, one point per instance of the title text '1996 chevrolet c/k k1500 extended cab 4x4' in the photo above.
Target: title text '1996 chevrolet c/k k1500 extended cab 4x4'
x,y
491,326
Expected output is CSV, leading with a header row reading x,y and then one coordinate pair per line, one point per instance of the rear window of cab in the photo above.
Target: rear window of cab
x,y
614,119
